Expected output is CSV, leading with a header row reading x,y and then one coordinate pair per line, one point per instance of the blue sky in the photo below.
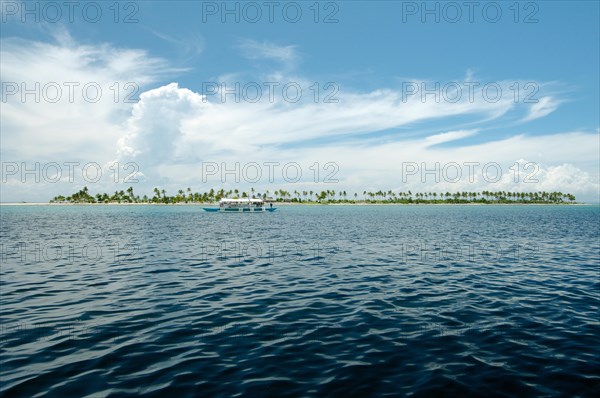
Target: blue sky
x,y
370,55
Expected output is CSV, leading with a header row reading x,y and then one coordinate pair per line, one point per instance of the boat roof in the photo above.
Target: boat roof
x,y
240,200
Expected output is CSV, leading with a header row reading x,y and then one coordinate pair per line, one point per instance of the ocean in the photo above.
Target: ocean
x,y
449,300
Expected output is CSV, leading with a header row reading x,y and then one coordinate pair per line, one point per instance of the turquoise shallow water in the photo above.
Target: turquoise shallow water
x,y
307,301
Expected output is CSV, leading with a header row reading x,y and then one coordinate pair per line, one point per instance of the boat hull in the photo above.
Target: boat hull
x,y
239,209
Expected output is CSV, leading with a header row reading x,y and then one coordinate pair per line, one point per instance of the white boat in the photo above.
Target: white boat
x,y
243,205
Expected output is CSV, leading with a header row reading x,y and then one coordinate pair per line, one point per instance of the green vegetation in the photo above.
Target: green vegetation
x,y
328,196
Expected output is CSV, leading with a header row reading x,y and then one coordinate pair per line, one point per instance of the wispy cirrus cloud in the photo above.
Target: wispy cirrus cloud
x,y
190,44
253,49
545,106
449,136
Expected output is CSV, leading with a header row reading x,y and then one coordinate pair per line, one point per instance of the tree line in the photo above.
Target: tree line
x,y
326,196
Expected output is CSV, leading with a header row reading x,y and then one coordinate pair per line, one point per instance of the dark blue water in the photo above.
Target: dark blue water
x,y
308,301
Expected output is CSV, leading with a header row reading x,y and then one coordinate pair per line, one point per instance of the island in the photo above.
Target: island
x,y
160,196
